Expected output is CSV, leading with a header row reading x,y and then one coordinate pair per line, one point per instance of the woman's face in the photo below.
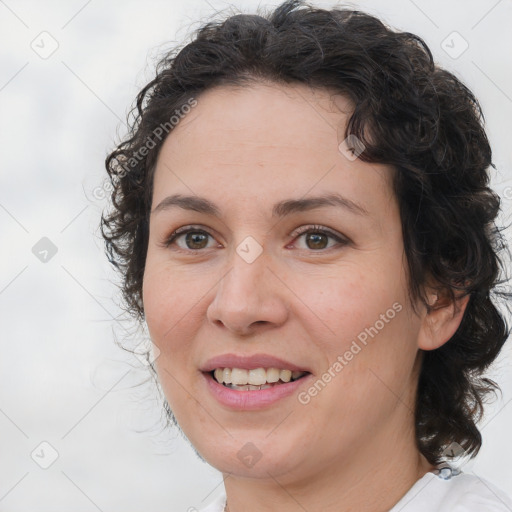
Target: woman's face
x,y
248,282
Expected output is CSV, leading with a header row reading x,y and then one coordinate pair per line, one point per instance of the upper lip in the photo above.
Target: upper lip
x,y
250,362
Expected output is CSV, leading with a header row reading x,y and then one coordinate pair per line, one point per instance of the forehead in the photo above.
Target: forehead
x,y
272,115
264,140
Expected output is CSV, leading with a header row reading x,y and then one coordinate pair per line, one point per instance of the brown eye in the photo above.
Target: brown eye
x,y
317,238
194,239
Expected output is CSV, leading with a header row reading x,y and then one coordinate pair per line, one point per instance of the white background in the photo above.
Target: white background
x,y
62,378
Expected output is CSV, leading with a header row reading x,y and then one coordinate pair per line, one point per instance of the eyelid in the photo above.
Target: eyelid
x,y
314,228
169,239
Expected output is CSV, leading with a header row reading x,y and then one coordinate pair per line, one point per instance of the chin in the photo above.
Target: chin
x,y
252,457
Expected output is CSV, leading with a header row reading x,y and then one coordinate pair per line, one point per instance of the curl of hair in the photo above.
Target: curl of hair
x,y
408,113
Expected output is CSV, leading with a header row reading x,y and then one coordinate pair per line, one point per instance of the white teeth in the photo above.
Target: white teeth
x,y
257,378
247,387
272,375
239,376
285,375
218,374
226,376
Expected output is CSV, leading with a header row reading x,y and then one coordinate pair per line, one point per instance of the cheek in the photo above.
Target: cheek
x,y
351,299
371,333
171,304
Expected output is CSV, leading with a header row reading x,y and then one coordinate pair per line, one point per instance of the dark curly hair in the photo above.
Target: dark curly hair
x,y
409,113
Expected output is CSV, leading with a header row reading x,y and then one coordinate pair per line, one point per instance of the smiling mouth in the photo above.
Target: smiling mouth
x,y
241,379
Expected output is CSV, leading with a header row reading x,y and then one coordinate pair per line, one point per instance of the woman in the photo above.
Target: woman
x,y
302,217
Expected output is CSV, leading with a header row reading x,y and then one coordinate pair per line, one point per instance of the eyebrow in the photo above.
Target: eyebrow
x,y
280,209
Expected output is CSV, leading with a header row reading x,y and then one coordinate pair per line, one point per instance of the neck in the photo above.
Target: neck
x,y
373,477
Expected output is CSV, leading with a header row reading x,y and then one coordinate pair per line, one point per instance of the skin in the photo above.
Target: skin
x,y
352,446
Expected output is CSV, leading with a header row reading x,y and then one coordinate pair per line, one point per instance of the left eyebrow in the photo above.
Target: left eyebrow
x,y
280,209
289,206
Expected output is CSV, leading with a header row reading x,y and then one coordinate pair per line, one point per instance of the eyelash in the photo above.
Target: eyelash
x,y
297,233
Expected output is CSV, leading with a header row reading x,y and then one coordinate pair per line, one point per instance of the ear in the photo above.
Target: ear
x,y
441,320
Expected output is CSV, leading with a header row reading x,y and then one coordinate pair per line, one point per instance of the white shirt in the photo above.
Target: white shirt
x,y
447,491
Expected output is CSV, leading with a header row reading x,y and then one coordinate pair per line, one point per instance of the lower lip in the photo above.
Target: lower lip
x,y
251,400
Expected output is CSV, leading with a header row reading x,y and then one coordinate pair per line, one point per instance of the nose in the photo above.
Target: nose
x,y
249,298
